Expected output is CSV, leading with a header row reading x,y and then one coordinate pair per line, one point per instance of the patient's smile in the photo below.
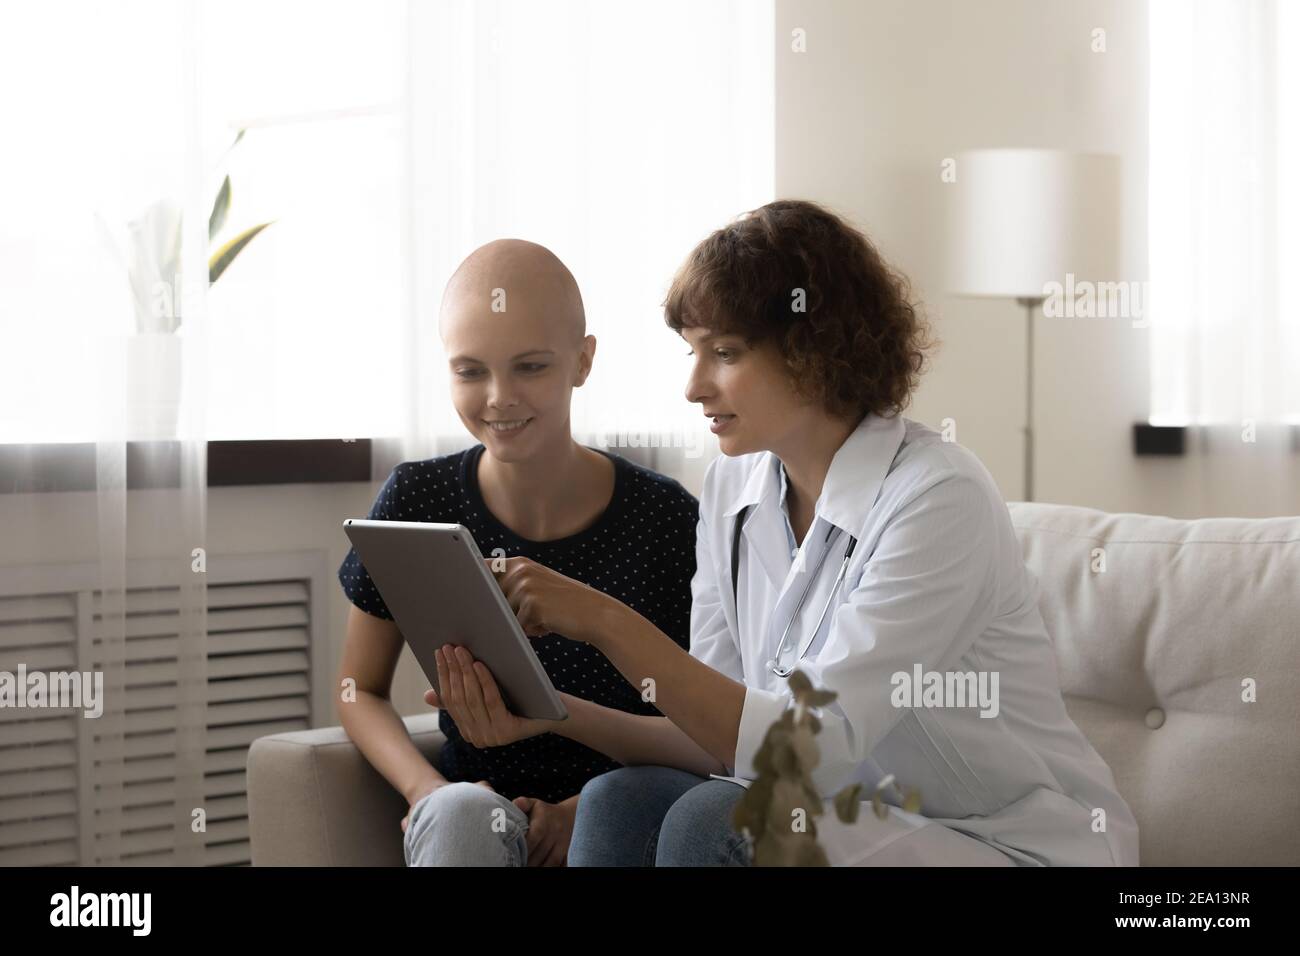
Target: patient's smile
x,y
507,426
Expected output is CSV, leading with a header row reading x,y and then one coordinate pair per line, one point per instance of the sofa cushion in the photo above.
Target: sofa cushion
x,y
314,799
1163,629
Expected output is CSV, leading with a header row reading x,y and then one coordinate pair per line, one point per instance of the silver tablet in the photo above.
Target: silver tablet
x,y
440,591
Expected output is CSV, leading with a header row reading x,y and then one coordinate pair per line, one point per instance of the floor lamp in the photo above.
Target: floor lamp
x,y
1026,224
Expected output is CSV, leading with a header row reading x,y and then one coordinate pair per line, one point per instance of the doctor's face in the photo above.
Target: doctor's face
x,y
746,391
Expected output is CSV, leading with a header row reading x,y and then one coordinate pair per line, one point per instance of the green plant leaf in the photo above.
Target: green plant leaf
x,y
219,209
223,257
878,806
814,800
804,692
912,802
846,803
819,698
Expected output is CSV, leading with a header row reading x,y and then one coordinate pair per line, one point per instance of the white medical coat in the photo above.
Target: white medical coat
x,y
937,579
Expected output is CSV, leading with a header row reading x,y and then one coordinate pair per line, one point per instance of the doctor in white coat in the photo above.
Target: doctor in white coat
x,y
837,538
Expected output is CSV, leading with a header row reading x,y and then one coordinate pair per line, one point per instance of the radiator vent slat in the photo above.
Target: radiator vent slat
x,y
63,801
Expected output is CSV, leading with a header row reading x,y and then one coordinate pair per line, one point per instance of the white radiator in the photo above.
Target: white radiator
x,y
59,805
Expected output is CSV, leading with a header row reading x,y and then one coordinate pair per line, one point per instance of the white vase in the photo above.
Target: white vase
x,y
153,385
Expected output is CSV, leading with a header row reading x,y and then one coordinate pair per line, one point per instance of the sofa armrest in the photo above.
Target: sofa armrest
x,y
314,799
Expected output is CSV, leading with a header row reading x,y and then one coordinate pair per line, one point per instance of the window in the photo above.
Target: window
x,y
385,141
1224,212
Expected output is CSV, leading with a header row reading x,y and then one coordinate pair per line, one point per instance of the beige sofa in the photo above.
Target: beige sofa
x,y
1160,626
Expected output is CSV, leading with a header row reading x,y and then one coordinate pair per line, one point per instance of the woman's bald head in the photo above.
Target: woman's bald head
x,y
517,345
508,276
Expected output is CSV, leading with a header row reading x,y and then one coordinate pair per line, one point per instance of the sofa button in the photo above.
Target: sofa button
x,y
1155,718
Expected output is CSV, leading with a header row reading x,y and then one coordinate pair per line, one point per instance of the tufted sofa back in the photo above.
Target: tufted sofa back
x,y
1163,629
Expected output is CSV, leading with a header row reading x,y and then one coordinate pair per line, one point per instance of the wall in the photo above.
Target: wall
x,y
884,92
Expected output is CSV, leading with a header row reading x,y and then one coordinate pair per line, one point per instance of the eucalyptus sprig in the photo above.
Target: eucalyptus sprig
x,y
777,810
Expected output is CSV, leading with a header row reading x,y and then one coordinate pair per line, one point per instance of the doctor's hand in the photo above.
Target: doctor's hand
x,y
471,696
546,601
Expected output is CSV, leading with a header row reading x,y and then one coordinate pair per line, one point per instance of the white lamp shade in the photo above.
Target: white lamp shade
x,y
1022,218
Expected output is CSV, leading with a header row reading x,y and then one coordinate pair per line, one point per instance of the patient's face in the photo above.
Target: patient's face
x,y
513,371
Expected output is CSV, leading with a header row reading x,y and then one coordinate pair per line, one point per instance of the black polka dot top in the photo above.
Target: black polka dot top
x,y
641,550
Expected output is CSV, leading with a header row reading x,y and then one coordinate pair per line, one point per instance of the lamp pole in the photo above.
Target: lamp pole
x,y
1031,305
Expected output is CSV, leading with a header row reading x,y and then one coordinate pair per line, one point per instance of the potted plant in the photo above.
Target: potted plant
x,y
152,261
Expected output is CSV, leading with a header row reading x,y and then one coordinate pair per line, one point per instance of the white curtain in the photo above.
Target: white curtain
x,y
385,141
106,190
1224,215
616,134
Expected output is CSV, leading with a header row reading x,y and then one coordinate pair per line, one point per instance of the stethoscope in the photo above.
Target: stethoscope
x,y
773,664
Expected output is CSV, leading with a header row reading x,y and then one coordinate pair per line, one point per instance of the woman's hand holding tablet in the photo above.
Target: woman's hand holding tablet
x,y
544,602
475,704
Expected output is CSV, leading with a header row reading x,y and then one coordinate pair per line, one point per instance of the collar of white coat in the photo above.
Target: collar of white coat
x,y
857,471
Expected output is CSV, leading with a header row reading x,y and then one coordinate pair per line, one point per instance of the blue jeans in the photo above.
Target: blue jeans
x,y
657,816
463,824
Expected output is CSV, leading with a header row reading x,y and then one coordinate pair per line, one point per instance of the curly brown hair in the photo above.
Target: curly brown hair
x,y
859,344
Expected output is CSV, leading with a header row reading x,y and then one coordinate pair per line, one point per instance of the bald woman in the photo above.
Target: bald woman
x,y
514,330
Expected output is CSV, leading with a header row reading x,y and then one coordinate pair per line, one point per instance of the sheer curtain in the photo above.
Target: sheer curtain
x,y
386,141
106,187
1224,216
616,134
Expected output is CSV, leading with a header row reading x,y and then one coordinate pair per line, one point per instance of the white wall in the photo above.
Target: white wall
x,y
884,92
